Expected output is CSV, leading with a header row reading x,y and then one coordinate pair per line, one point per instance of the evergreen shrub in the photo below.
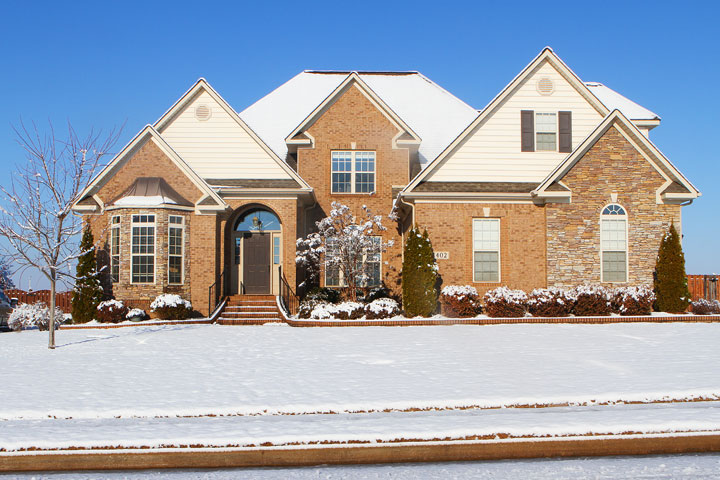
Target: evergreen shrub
x,y
419,275
88,292
671,286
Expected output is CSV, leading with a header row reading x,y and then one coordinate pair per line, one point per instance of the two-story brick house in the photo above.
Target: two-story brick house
x,y
554,182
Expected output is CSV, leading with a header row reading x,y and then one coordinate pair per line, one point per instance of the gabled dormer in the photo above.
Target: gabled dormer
x,y
541,116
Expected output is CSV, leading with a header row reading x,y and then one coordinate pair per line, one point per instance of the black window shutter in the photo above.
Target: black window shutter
x,y
565,131
527,131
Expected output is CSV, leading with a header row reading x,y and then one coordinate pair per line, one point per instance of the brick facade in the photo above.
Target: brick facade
x,y
557,244
611,166
522,241
353,118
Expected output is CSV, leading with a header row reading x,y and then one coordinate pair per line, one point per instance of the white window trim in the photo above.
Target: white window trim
x,y
557,130
181,226
499,250
341,278
132,255
113,227
627,243
353,171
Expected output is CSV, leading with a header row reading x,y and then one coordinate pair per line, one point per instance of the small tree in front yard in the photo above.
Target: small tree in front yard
x,y
671,286
87,293
419,275
36,219
344,245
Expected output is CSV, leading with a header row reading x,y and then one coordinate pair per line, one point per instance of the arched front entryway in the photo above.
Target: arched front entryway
x,y
255,252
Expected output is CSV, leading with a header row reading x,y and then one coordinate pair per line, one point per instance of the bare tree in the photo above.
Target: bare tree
x,y
36,220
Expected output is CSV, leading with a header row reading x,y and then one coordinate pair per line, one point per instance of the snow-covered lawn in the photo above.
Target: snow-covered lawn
x,y
191,370
211,369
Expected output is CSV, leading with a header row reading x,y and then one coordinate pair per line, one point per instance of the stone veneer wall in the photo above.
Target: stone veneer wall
x,y
612,165
522,241
353,118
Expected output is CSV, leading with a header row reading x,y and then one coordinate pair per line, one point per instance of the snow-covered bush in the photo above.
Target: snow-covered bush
x,y
307,306
111,311
460,301
706,307
504,302
136,314
382,308
28,315
349,310
633,300
591,300
169,306
341,311
550,302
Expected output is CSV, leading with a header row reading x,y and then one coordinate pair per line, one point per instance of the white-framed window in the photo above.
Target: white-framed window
x,y
546,129
276,250
372,262
613,244
143,249
353,172
486,249
115,248
176,244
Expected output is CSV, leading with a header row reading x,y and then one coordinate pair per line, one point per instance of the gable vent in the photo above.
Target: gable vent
x,y
545,86
203,112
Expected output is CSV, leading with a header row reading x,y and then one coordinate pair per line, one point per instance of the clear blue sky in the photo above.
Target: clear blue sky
x,y
103,64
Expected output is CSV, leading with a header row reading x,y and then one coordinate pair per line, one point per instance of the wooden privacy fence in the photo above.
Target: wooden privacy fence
x,y
62,299
704,286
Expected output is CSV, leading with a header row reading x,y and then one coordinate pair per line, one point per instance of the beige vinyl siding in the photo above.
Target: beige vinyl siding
x,y
492,152
218,147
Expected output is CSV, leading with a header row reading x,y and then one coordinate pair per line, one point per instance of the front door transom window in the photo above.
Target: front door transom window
x,y
258,220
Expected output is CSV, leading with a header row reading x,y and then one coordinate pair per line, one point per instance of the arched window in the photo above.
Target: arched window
x,y
613,244
258,220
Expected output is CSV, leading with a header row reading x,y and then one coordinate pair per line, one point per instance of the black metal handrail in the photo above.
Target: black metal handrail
x,y
216,292
288,299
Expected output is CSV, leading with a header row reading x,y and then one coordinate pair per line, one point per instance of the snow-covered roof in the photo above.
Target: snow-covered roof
x,y
433,113
614,101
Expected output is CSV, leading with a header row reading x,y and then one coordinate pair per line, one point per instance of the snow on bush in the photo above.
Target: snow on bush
x,y
706,307
382,308
341,311
460,301
550,302
504,302
591,300
28,315
169,306
111,311
633,300
136,314
306,307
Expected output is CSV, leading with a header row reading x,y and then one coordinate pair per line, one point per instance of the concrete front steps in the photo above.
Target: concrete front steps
x,y
250,310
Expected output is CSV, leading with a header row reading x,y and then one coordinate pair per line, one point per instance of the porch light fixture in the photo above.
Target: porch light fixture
x,y
256,222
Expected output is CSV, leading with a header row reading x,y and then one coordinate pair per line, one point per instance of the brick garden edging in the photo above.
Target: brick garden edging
x,y
411,322
419,322
146,324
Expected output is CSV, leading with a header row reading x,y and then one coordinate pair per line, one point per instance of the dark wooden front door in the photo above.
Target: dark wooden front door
x,y
256,262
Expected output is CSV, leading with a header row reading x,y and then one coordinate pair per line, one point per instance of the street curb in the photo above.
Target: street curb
x,y
352,454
